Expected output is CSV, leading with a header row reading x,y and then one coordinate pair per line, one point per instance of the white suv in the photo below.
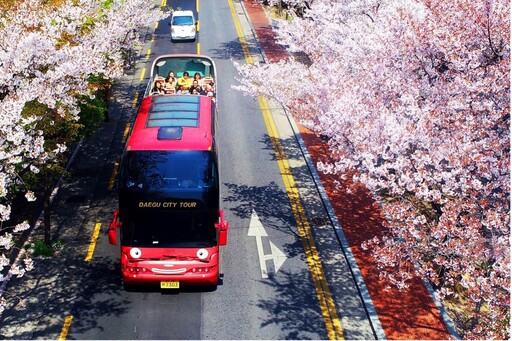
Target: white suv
x,y
183,26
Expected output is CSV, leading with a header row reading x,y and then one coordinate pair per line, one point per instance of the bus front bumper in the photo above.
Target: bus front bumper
x,y
208,278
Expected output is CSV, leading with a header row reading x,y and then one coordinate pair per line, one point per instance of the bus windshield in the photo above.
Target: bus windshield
x,y
169,198
168,170
170,228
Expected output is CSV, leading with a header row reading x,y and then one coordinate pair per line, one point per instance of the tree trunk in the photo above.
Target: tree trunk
x,y
107,89
46,208
476,314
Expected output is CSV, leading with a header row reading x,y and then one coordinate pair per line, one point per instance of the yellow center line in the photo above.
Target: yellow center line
x,y
125,132
142,74
198,26
92,245
65,327
148,54
135,99
113,176
153,35
239,31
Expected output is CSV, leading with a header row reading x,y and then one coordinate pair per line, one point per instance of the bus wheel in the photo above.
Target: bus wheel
x,y
130,287
210,288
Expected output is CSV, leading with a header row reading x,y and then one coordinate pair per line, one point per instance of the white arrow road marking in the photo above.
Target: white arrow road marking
x,y
278,256
257,230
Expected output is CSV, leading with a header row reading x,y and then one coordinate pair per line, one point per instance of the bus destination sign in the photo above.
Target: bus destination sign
x,y
167,204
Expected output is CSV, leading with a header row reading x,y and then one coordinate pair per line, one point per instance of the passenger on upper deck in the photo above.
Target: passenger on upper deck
x,y
195,88
170,81
184,83
158,89
209,91
197,77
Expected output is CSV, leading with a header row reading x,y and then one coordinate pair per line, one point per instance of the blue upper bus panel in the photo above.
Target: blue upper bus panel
x,y
174,111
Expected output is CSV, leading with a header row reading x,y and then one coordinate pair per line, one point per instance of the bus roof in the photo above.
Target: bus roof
x,y
173,122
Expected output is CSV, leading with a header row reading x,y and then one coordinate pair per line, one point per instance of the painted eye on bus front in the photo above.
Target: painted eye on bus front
x,y
202,253
135,252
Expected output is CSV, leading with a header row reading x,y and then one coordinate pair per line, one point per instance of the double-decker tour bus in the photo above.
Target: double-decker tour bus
x,y
169,216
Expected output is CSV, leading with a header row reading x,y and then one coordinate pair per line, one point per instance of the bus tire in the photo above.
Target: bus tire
x,y
210,288
130,287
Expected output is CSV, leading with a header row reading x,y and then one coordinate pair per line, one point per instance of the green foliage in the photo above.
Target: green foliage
x,y
34,108
42,249
63,129
107,4
87,26
92,112
57,128
57,246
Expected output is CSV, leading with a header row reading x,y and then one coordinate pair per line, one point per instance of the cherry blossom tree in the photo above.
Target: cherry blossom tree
x,y
414,97
48,51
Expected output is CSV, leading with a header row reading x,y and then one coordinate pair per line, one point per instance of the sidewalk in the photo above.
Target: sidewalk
x,y
406,315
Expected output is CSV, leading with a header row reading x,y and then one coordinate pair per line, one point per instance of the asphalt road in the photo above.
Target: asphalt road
x,y
262,167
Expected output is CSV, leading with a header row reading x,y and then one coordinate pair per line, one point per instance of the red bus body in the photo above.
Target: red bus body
x,y
169,216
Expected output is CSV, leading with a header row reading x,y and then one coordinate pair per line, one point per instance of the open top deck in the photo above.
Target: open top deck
x,y
179,64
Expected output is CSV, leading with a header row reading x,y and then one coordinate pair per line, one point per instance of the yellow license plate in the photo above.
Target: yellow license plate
x,y
169,285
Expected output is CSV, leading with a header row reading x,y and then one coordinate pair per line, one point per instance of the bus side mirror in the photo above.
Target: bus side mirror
x,y
112,228
222,226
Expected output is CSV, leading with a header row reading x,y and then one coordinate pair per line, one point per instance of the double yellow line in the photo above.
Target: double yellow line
x,y
327,305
